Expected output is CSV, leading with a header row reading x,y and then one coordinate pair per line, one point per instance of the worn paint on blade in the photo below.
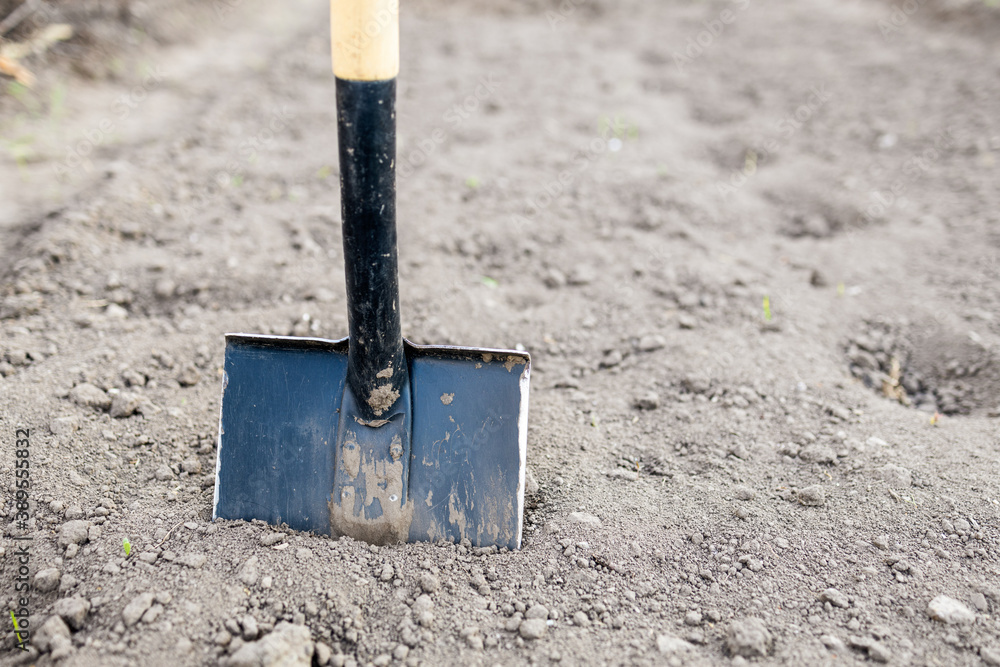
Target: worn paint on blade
x,y
447,398
377,490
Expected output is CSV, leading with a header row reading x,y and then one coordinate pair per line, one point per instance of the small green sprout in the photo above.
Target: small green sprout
x,y
472,182
127,546
767,308
841,289
324,172
489,282
17,628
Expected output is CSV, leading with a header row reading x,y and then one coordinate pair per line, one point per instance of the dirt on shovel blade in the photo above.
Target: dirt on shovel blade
x,y
752,248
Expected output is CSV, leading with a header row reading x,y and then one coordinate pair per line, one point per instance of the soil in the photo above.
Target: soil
x,y
752,248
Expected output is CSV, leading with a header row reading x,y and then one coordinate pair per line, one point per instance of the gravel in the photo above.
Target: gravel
x,y
287,645
74,532
134,610
812,496
949,610
748,637
533,628
73,610
47,580
87,395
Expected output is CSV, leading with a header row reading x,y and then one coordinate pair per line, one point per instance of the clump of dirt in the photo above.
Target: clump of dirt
x,y
929,367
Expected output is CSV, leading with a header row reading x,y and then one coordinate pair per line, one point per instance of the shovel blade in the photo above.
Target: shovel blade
x,y
279,428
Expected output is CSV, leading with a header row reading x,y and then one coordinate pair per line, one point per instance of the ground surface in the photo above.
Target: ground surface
x,y
618,202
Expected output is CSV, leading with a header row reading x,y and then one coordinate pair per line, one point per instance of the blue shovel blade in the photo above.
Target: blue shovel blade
x,y
278,430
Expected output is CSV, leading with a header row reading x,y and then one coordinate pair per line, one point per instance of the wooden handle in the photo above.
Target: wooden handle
x,y
365,39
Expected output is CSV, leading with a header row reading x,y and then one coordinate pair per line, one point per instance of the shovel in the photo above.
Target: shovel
x,y
371,436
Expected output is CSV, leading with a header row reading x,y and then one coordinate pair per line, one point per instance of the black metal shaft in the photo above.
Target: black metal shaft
x,y
366,128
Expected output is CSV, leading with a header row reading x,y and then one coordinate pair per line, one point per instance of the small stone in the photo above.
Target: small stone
x,y
401,652
813,496
554,278
323,654
288,645
250,571
250,628
584,518
134,610
648,401
817,453
269,539
53,633
621,473
979,602
835,597
164,473
189,376
533,628
89,396
73,610
191,466
749,638
73,532
47,580
94,533
580,619
61,426
895,476
692,618
124,404
194,561
949,610
744,493
537,611
116,312
152,614
530,483
990,655
148,557
833,643
304,553
670,645
164,288
687,321
652,342
429,583
74,512
879,652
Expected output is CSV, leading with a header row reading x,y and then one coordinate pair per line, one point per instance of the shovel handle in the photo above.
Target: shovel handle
x,y
366,59
365,39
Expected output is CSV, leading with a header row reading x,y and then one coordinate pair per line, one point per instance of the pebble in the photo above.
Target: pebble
x,y
817,453
429,583
287,645
164,473
250,628
748,637
990,655
744,493
64,425
323,653
87,395
580,619
189,376
533,628
53,634
304,553
268,539
537,611
621,473
584,518
949,610
194,561
530,483
124,404
813,496
47,580
652,342
687,321
73,532
134,610
191,466
73,610
250,571
895,476
693,618
835,597
152,614
669,645
648,401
